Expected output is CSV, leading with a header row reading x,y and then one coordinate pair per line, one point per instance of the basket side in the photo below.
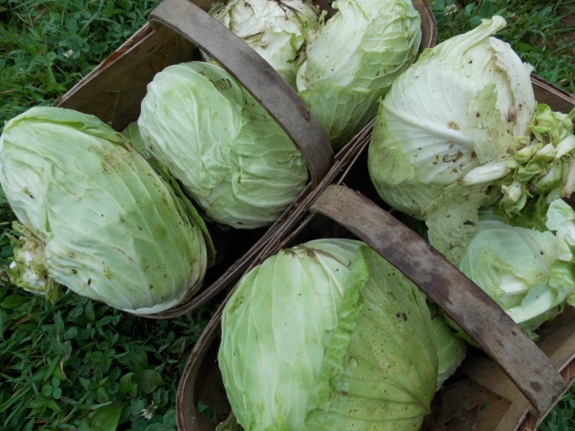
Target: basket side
x,y
558,99
113,91
428,24
201,382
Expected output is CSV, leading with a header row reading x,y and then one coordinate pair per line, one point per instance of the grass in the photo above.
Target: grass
x,y
81,365
49,45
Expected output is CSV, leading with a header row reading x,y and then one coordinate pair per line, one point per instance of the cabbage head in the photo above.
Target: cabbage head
x,y
276,30
353,60
95,217
529,273
446,129
328,335
230,156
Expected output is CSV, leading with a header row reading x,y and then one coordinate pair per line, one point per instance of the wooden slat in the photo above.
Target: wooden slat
x,y
562,359
557,98
461,397
490,416
489,375
256,76
477,314
466,421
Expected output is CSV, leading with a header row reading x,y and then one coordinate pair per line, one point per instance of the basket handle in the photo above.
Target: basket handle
x,y
477,314
255,75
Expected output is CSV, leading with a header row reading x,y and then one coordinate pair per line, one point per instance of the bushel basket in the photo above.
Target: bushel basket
x,y
176,31
509,384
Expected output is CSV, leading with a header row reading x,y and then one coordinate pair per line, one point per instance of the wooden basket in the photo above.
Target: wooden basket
x,y
176,31
496,388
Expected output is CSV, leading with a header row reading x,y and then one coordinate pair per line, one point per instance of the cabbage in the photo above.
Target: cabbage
x,y
353,61
529,273
230,156
328,335
446,129
94,215
276,30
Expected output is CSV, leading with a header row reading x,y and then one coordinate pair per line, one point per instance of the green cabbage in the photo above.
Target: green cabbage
x,y
328,335
95,217
230,156
276,30
353,61
446,129
529,273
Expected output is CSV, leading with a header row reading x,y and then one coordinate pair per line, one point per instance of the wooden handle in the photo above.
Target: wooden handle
x,y
255,75
477,314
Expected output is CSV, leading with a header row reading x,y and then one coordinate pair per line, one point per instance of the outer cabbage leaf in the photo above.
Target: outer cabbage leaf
x,y
328,335
529,273
354,59
132,134
111,227
229,424
230,156
452,219
451,349
276,30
